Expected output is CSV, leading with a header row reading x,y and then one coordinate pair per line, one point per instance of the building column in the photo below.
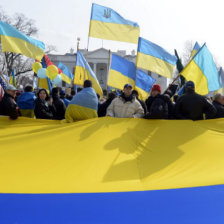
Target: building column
x,y
94,68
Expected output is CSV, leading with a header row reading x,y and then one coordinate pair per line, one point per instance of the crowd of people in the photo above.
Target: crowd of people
x,y
87,104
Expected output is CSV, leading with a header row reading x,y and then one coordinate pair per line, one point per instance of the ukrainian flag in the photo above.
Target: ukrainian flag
x,y
12,80
83,72
107,24
66,74
121,72
154,58
13,40
144,83
111,170
195,49
203,72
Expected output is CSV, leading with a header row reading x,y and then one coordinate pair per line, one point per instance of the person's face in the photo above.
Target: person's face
x,y
127,91
155,93
42,95
12,93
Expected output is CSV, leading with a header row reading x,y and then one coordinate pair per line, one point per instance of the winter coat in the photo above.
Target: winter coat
x,y
102,108
60,107
159,107
120,107
143,105
8,107
42,110
192,106
219,109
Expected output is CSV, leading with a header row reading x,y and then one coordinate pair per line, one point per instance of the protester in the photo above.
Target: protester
x,y
8,105
136,94
42,108
62,96
159,106
84,104
125,106
26,102
218,103
58,104
102,110
192,106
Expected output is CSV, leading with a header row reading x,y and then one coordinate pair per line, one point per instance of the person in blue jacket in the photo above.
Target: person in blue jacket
x,y
26,102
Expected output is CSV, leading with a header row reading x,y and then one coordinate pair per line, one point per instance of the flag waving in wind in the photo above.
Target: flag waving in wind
x,y
107,24
13,40
154,58
203,72
84,72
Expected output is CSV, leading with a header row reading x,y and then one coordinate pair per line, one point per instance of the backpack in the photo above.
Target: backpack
x,y
158,109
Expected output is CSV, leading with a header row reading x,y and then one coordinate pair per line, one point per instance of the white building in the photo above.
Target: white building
x,y
99,60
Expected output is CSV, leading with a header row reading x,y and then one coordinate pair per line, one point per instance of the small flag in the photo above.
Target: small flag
x,y
155,59
12,80
13,40
66,74
195,49
203,72
107,24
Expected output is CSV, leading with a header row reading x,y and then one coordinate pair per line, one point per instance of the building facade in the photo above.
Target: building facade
x,y
99,61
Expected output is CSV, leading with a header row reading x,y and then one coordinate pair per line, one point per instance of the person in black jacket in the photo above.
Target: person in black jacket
x,y
218,103
43,109
157,104
8,106
135,93
58,104
192,105
102,108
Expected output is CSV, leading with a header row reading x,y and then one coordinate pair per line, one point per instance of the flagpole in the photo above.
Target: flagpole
x,y
108,66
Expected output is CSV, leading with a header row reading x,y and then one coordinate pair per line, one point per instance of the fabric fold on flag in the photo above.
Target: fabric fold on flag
x,y
144,83
105,23
15,41
84,72
203,72
66,74
155,59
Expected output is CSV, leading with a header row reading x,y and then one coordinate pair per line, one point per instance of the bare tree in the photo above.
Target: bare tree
x,y
9,60
188,47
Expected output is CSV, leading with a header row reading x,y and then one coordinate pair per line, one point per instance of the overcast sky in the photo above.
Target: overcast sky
x,y
169,23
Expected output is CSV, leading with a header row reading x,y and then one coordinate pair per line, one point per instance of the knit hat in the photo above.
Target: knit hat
x,y
156,87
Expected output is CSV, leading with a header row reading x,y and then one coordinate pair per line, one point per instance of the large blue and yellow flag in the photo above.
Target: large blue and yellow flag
x,y
203,72
12,80
121,72
144,83
107,24
84,72
154,58
111,170
195,49
13,40
83,106
66,74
